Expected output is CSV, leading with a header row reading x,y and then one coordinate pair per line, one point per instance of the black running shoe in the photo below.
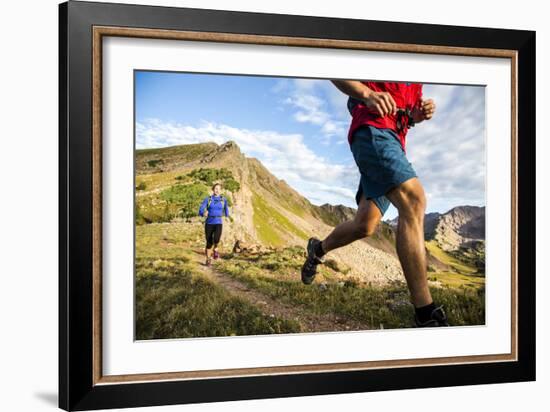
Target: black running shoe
x,y
437,318
309,269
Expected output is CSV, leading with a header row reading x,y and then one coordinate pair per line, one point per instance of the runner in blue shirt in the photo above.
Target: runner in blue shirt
x,y
213,207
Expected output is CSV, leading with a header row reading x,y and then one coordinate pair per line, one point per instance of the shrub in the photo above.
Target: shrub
x,y
210,176
154,162
187,197
232,185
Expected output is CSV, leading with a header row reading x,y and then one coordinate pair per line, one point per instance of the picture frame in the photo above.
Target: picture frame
x,y
82,28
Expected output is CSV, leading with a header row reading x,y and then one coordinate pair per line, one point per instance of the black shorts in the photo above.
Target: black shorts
x,y
213,234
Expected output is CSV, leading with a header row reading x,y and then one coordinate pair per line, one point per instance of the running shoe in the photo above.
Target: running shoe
x,y
437,318
309,269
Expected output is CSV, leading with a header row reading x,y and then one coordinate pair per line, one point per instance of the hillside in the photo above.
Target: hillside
x,y
266,211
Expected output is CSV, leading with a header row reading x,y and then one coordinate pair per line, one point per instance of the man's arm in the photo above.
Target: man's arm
x,y
382,102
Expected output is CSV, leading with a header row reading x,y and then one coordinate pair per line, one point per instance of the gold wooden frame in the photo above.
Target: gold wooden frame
x,y
101,31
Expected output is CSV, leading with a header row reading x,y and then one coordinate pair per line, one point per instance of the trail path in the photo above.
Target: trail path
x,y
310,322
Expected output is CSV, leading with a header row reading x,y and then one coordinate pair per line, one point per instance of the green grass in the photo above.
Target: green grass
x,y
269,223
171,194
186,197
173,302
386,307
448,259
457,280
166,240
462,273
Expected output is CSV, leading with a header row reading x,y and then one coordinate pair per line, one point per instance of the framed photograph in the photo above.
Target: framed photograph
x,y
258,206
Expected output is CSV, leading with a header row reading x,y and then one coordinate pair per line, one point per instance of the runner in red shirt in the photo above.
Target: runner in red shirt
x,y
382,113
406,96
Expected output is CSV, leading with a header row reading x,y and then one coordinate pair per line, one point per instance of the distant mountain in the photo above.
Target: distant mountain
x,y
462,226
457,230
334,215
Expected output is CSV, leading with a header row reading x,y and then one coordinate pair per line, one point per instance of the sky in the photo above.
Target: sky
x,y
298,129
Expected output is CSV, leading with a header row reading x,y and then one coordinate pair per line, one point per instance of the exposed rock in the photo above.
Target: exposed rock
x,y
460,226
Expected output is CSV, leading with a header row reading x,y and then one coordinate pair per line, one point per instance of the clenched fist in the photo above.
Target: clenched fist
x,y
382,102
425,111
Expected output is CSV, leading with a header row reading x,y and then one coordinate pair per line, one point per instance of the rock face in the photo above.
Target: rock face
x,y
334,215
460,227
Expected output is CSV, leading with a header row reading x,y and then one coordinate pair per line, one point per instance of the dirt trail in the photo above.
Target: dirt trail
x,y
269,306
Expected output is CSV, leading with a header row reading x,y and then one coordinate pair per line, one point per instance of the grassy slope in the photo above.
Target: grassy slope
x,y
155,160
272,227
277,275
174,300
461,274
282,193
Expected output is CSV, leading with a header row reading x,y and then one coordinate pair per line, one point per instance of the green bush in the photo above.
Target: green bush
x,y
154,162
187,197
141,186
231,185
210,176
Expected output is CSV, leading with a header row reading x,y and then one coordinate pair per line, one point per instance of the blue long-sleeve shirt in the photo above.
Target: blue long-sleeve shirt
x,y
218,208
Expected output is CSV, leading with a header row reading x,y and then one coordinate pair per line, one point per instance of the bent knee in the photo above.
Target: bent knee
x,y
363,230
413,207
412,203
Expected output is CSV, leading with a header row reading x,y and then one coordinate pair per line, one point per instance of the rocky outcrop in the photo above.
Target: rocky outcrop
x,y
462,226
459,227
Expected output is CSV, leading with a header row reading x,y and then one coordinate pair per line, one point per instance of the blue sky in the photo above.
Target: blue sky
x,y
298,129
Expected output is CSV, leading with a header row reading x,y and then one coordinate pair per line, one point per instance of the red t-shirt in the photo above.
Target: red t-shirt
x,y
406,96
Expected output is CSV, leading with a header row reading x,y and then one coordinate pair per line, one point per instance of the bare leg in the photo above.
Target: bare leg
x,y
410,201
207,253
364,224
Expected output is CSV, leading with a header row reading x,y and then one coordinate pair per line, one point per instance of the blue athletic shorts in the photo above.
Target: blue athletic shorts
x,y
382,163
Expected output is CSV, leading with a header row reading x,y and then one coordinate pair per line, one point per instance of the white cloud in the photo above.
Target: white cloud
x,y
448,152
316,102
284,155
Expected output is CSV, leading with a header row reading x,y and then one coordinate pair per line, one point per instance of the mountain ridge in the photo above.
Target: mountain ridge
x,y
268,212
265,210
